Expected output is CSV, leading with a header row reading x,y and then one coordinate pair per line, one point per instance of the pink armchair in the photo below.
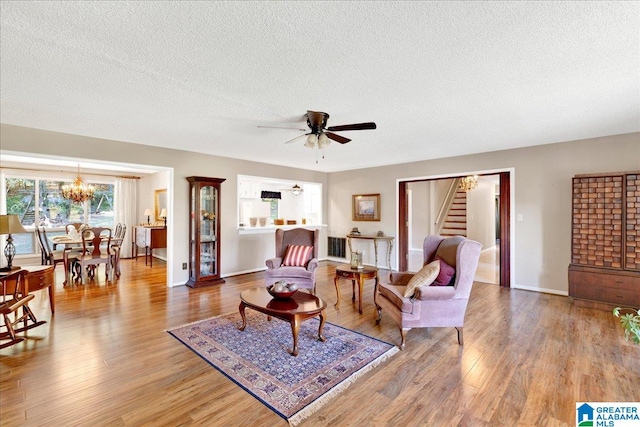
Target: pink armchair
x,y
303,276
432,306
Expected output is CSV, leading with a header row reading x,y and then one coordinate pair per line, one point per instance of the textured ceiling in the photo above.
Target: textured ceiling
x,y
439,78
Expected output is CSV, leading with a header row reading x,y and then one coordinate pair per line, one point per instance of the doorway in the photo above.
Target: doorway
x,y
494,201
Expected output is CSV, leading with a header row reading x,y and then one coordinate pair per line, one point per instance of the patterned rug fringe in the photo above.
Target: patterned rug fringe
x,y
310,409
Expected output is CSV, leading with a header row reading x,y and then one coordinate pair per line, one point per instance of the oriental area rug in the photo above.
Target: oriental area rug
x,y
257,359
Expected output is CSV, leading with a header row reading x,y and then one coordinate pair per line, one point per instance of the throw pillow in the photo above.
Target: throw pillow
x,y
424,277
445,275
297,256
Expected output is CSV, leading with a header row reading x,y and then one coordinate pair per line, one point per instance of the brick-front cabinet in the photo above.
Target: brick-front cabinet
x,y
605,252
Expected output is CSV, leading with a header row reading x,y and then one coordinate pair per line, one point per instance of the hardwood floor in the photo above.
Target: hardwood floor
x,y
105,359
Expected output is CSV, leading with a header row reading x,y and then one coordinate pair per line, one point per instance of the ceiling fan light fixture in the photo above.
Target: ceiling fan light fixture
x,y
296,190
323,140
311,140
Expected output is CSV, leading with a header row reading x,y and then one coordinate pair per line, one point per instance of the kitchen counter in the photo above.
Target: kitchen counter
x,y
272,228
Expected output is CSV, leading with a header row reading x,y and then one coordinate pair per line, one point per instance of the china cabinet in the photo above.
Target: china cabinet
x,y
605,249
204,231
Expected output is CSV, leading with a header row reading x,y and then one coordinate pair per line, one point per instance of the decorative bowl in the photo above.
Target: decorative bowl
x,y
280,295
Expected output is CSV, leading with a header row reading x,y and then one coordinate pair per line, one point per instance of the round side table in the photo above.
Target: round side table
x,y
344,271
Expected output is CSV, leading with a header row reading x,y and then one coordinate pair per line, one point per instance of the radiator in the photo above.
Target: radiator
x,y
337,247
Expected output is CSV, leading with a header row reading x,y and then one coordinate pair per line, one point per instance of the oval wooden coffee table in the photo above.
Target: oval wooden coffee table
x,y
295,310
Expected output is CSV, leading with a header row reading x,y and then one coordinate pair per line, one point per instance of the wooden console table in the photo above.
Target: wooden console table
x,y
375,239
149,238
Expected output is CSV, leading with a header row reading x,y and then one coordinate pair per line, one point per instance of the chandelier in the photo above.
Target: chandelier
x,y
468,182
78,191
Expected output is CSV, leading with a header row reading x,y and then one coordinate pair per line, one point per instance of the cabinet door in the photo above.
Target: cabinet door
x,y
632,225
142,237
597,221
204,231
208,230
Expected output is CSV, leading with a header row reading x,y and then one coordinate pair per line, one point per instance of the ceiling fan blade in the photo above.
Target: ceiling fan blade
x,y
282,127
355,126
297,137
337,138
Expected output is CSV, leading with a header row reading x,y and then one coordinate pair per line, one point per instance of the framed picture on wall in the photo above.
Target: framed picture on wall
x,y
366,207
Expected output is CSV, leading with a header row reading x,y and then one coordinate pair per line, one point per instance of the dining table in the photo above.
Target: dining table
x,y
75,244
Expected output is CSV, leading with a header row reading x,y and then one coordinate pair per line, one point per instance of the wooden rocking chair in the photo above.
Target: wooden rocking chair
x,y
14,298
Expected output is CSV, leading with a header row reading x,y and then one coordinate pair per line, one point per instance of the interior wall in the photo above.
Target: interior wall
x,y
146,200
239,253
420,213
481,214
542,194
542,197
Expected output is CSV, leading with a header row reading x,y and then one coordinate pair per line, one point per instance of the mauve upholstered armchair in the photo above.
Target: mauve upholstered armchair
x,y
432,306
304,276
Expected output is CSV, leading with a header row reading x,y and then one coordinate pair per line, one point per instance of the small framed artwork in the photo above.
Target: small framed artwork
x,y
366,207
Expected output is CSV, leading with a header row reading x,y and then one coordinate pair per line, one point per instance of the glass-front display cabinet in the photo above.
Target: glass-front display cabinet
x,y
204,231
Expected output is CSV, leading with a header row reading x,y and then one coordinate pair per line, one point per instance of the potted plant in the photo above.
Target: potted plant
x,y
630,322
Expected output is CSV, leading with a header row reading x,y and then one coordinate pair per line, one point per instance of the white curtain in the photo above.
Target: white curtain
x,y
125,196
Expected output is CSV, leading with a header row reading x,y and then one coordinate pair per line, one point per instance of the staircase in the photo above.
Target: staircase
x,y
455,223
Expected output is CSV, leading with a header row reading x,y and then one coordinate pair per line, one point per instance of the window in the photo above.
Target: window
x,y
21,196
273,207
46,207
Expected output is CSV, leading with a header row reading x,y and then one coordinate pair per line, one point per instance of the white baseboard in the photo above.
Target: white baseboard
x,y
237,273
541,290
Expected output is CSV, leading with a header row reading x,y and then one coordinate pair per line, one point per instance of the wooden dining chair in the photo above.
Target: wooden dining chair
x,y
15,298
116,246
96,250
66,256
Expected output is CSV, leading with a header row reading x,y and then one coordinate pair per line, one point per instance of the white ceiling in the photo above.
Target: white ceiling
x,y
439,78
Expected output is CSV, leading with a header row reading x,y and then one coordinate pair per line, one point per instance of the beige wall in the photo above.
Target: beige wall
x,y
481,214
541,194
240,253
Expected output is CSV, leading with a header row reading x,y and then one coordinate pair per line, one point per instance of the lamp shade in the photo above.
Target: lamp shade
x,y
323,141
163,213
10,224
147,212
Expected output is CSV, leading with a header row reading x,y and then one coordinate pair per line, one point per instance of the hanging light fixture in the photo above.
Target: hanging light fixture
x,y
311,141
78,191
323,140
468,183
296,190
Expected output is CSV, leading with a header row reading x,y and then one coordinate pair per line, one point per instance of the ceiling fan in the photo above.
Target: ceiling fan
x,y
295,190
320,135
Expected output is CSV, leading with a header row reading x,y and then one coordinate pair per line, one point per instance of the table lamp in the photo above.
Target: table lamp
x,y
163,215
147,213
10,224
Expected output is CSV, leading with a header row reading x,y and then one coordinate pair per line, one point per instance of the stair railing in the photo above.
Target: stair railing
x,y
446,205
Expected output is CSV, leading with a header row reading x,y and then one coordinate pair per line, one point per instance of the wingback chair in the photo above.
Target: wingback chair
x,y
432,306
303,275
